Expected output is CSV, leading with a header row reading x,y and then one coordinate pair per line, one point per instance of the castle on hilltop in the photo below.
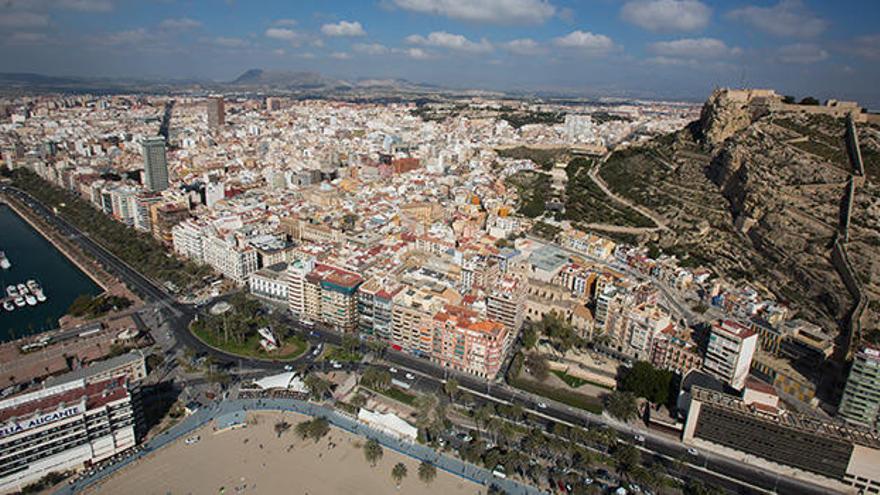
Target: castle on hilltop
x,y
768,100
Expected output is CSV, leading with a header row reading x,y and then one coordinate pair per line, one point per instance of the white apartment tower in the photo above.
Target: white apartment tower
x,y
729,352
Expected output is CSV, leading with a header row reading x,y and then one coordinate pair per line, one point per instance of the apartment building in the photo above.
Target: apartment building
x,y
465,342
270,283
861,396
731,347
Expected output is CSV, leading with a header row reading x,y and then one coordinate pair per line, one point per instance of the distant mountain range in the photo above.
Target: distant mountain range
x,y
253,80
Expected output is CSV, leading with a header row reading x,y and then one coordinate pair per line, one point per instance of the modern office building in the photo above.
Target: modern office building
x,y
729,352
216,112
66,426
155,166
861,396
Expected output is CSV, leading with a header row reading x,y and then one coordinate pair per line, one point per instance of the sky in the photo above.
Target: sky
x,y
677,49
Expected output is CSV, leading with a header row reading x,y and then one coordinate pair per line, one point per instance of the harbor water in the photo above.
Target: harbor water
x,y
34,257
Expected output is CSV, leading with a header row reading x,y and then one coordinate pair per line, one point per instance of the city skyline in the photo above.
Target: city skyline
x,y
647,48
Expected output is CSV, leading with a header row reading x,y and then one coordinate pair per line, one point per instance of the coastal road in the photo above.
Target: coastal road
x,y
716,470
182,314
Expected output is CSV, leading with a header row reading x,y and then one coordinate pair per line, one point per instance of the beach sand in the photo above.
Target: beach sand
x,y
254,457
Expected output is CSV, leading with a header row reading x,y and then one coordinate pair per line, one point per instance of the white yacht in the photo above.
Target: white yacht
x,y
11,291
30,300
19,301
41,297
22,289
32,285
8,306
4,261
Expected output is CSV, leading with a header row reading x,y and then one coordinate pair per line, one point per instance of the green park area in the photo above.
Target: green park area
x,y
235,331
576,382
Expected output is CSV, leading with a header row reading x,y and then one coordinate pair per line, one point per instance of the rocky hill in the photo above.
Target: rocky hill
x,y
755,191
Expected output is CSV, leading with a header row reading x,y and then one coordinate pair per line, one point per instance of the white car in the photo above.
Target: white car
x,y
692,451
639,438
192,440
542,405
336,365
392,369
288,367
410,376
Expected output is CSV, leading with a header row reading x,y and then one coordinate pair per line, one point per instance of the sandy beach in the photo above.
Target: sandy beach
x,y
258,460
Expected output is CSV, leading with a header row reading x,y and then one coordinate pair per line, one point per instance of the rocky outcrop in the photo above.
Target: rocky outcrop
x,y
724,114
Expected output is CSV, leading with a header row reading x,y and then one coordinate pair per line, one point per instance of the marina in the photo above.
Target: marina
x,y
21,295
40,283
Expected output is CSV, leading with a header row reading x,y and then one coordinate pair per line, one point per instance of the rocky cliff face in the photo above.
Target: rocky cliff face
x,y
724,114
756,194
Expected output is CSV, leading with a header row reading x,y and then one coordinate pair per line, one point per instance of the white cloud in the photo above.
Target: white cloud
x,y
585,41
667,15
285,22
279,51
370,48
341,55
281,34
23,20
128,37
230,42
867,46
801,53
180,23
523,46
457,42
417,54
788,18
343,28
23,38
488,11
306,55
86,5
693,48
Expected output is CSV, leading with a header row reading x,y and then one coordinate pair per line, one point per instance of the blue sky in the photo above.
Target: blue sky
x,y
655,48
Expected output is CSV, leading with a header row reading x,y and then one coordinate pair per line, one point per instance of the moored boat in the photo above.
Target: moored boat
x,y
11,291
32,285
30,300
4,261
19,301
22,289
8,306
41,297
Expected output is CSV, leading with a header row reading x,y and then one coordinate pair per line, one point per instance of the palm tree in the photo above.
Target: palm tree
x,y
451,387
373,452
622,405
318,387
427,472
398,473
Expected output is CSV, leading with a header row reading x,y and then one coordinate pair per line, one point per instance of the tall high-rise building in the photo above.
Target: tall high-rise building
x,y
729,352
155,166
861,396
273,104
216,112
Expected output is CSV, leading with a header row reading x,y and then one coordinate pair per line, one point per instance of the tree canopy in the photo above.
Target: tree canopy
x,y
648,382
